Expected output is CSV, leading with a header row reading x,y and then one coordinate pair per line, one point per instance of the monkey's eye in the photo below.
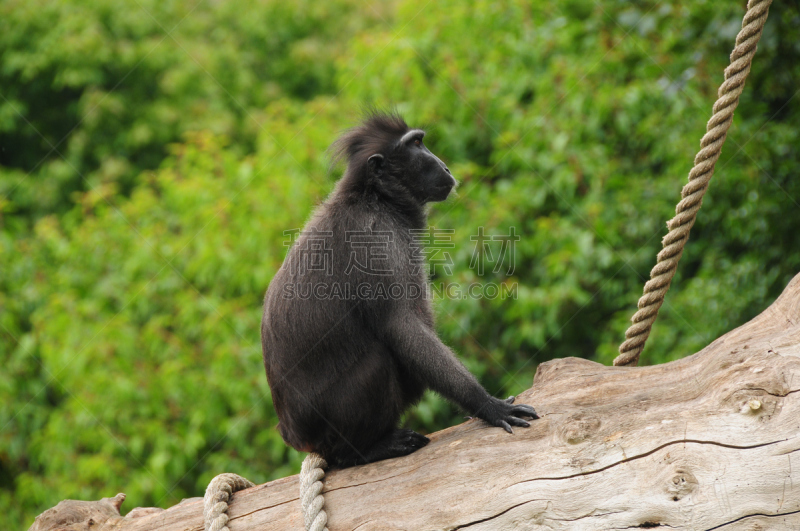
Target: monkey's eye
x,y
417,142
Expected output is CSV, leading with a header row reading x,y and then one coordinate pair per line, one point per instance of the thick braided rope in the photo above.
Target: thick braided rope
x,y
700,175
215,502
311,475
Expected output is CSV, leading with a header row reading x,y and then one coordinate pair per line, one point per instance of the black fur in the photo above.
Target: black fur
x,y
343,368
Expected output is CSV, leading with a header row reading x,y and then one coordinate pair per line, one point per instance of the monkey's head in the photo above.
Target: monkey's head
x,y
412,166
384,153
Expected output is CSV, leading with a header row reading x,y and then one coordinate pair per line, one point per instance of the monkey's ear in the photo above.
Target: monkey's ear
x,y
375,163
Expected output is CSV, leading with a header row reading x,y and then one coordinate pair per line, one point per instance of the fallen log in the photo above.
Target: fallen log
x,y
705,442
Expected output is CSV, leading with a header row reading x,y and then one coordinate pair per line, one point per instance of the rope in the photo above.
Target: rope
x,y
215,502
222,487
700,175
311,475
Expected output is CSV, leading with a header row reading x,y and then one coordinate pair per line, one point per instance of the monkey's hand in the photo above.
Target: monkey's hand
x,y
504,414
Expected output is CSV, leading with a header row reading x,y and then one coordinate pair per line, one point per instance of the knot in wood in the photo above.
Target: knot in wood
x,y
681,483
755,402
579,427
78,514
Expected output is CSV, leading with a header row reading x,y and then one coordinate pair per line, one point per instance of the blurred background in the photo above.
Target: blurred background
x,y
153,152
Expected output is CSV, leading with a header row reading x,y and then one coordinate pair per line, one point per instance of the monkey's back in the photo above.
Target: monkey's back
x,y
332,379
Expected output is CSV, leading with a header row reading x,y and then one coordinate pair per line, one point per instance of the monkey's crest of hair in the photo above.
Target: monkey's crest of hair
x,y
378,131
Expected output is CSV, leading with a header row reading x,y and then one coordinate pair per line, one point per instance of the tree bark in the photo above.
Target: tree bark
x,y
705,442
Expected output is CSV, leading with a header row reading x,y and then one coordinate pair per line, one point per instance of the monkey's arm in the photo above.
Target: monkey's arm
x,y
419,349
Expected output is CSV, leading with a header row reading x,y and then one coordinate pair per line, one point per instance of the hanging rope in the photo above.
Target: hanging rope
x,y
215,502
311,475
700,175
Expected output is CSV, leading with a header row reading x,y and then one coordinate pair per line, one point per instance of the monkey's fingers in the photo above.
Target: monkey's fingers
x,y
510,399
524,410
518,422
503,424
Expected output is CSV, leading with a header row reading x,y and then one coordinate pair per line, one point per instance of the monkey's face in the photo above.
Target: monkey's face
x,y
412,166
425,175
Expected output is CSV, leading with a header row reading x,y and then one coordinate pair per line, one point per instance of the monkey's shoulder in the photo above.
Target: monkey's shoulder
x,y
341,222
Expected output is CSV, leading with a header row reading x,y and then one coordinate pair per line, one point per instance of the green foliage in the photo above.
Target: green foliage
x,y
189,137
93,92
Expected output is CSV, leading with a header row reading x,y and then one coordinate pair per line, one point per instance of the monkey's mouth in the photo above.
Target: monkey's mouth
x,y
441,192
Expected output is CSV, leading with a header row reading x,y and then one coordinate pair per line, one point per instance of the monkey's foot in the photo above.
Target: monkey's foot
x,y
396,444
399,443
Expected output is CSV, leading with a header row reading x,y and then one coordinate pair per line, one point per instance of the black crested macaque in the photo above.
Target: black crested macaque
x,y
348,330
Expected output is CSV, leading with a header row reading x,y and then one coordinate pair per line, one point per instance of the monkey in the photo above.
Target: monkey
x,y
343,364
